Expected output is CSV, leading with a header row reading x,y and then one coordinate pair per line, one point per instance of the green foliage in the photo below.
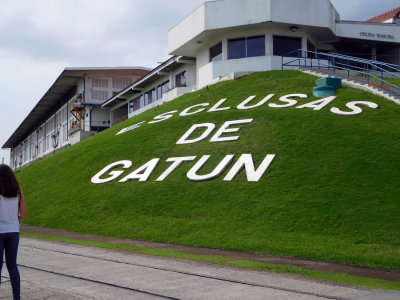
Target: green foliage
x,y
331,193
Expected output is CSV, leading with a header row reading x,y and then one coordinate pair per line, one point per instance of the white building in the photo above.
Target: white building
x,y
225,38
68,112
173,78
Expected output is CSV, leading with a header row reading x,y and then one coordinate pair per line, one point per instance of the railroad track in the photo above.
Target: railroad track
x,y
100,260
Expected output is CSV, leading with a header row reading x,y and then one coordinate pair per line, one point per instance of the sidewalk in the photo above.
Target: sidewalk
x,y
259,257
60,271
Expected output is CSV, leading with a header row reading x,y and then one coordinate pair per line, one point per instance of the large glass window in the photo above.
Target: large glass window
x,y
283,45
216,52
246,47
237,48
256,46
180,79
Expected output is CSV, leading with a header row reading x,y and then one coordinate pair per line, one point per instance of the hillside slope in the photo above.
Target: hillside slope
x,y
331,192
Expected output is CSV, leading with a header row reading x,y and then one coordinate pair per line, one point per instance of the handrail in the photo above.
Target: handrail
x,y
336,61
364,60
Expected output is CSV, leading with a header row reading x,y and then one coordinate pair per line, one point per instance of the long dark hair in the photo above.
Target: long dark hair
x,y
9,186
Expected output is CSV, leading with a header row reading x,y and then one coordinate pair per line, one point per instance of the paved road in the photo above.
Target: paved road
x,y
53,270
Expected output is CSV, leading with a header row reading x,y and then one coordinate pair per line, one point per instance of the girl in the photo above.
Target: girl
x,y
12,214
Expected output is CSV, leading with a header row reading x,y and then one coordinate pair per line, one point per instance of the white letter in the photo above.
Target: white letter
x,y
143,172
186,113
114,174
130,128
217,171
216,106
243,104
225,129
176,162
318,104
285,99
163,116
355,110
246,161
184,140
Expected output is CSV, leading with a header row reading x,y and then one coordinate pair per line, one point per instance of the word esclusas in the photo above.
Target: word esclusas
x,y
352,107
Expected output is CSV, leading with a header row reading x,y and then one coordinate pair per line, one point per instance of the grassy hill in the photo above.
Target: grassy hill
x,y
332,191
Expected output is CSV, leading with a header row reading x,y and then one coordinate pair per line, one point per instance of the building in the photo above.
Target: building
x,y
68,112
224,39
171,79
220,40
391,17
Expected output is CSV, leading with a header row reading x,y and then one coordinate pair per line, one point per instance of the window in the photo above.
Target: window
x,y
141,99
246,47
180,79
255,46
165,87
99,88
119,83
284,45
131,106
237,48
216,52
150,96
162,89
159,91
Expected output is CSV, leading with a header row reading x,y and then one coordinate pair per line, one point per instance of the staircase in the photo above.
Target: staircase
x,y
358,82
368,75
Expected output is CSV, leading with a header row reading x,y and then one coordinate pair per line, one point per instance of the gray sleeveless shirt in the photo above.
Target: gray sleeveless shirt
x,y
9,221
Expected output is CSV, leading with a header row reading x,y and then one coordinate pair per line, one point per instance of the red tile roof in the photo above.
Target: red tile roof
x,y
393,13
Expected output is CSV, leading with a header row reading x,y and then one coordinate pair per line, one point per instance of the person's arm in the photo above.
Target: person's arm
x,y
22,208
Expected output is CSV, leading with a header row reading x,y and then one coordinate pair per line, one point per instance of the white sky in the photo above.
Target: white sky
x,y
39,38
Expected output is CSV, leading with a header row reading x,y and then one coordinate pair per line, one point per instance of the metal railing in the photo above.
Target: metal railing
x,y
371,70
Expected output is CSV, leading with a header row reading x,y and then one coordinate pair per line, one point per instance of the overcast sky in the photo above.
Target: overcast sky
x,y
39,38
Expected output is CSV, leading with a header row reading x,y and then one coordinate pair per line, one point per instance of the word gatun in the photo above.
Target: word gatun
x,y
245,161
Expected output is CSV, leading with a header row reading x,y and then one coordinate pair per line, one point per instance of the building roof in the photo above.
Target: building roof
x,y
59,93
391,14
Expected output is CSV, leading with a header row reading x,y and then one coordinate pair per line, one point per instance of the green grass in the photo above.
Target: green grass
x,y
331,193
246,264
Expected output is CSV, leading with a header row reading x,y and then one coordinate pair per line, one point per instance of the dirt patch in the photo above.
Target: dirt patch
x,y
310,264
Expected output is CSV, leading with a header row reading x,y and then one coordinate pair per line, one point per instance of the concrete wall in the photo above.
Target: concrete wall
x,y
188,28
375,32
213,16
